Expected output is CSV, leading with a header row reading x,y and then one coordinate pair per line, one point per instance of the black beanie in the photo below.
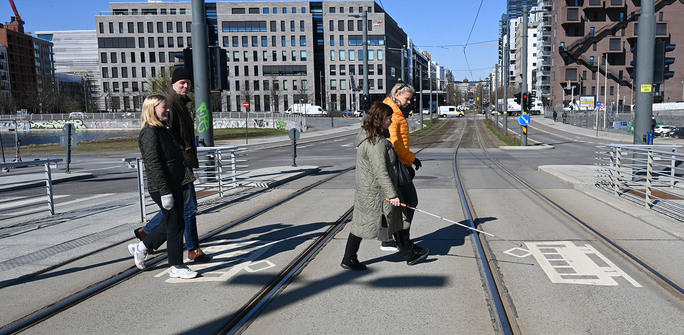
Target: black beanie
x,y
180,73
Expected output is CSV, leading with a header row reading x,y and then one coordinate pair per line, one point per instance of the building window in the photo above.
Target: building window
x,y
293,41
333,70
302,41
169,27
301,25
331,25
160,42
352,55
341,40
302,55
343,70
343,55
332,40
179,41
103,57
332,55
380,56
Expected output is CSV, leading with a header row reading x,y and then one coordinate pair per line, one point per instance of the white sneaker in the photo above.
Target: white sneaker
x,y
389,246
138,257
182,271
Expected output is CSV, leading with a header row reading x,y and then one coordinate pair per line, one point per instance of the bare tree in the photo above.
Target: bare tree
x,y
275,93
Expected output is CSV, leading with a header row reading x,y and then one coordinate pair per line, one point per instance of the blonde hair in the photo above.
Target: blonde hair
x,y
148,116
400,88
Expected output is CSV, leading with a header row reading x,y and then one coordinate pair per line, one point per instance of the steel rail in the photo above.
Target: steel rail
x,y
503,307
652,272
83,295
250,311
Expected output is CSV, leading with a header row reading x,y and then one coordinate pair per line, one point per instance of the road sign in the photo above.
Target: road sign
x,y
599,104
245,104
524,119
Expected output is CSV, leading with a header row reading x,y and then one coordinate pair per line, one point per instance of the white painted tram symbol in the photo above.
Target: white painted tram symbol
x,y
228,259
565,263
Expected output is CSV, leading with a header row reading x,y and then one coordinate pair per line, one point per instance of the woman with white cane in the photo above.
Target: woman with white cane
x,y
377,179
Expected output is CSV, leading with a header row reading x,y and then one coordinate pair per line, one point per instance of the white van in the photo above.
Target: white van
x,y
306,109
449,111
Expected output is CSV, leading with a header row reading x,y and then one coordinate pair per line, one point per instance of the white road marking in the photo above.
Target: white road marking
x,y
565,263
229,257
10,203
43,199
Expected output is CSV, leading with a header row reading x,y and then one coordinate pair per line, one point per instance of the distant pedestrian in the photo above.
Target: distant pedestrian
x,y
183,129
376,181
565,117
555,115
167,182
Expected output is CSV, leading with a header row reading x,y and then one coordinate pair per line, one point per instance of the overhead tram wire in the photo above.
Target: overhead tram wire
x,y
465,56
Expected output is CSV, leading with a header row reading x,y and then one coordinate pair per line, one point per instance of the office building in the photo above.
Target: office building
x,y
278,53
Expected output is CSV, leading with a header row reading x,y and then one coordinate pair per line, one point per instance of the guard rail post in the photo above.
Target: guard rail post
x,y
141,189
233,166
48,186
649,178
219,169
672,167
618,165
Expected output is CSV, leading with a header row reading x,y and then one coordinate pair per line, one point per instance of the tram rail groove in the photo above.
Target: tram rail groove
x,y
504,311
661,279
250,311
99,287
271,290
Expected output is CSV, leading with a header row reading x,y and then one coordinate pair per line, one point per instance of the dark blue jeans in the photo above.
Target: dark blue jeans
x,y
190,216
171,229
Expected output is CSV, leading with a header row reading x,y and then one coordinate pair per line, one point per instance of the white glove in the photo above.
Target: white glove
x,y
186,196
167,201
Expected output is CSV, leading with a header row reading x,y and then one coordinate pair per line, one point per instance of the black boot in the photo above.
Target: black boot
x,y
412,253
350,261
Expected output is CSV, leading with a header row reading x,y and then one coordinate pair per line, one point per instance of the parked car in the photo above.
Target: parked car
x,y
352,113
677,132
447,111
663,130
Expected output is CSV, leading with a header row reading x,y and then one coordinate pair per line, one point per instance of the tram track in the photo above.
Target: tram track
x,y
503,304
55,308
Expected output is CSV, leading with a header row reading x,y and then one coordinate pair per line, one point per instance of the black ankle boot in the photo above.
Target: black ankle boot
x,y
352,264
417,256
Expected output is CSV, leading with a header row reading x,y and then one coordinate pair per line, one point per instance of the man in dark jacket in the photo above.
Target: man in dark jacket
x,y
183,129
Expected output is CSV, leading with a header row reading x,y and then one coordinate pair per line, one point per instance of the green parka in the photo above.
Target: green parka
x,y
163,159
376,180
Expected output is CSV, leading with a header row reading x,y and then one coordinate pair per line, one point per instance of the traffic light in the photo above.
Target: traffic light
x,y
661,63
525,97
365,102
218,67
517,98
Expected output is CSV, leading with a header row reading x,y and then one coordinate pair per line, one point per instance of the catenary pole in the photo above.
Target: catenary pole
x,y
644,72
200,64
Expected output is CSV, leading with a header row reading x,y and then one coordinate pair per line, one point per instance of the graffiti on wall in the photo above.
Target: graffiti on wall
x,y
56,124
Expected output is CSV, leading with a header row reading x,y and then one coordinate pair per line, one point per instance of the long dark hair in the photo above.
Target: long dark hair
x,y
374,124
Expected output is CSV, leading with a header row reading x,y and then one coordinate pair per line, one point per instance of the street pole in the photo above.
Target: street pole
x,y
403,70
496,91
200,64
605,93
506,77
420,95
644,72
366,93
523,128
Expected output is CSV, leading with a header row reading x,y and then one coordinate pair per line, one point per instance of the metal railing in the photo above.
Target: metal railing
x,y
219,170
648,174
17,181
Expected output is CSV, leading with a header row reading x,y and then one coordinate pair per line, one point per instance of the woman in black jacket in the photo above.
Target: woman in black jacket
x,y
167,182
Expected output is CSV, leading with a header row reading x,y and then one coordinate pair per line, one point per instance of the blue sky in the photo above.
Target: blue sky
x,y
440,27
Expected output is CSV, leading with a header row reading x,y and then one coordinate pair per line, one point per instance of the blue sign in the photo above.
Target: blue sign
x,y
599,104
524,119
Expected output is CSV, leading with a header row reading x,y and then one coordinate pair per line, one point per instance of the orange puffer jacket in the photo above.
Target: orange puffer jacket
x,y
399,134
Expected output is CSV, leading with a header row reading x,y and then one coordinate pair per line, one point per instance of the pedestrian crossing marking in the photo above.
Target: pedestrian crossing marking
x,y
229,257
565,263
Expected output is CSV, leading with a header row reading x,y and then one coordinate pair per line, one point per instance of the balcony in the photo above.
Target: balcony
x,y
614,4
615,45
572,15
661,29
595,4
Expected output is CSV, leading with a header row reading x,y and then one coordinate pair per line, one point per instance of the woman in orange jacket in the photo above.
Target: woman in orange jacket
x,y
400,97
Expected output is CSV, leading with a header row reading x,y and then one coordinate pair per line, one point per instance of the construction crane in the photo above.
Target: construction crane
x,y
16,13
